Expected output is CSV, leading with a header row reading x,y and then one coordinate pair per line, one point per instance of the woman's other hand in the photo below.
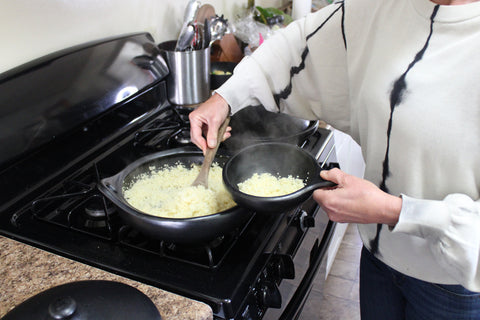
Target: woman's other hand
x,y
356,200
205,121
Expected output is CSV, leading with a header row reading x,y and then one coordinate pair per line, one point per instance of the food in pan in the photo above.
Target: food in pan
x,y
221,73
167,192
267,185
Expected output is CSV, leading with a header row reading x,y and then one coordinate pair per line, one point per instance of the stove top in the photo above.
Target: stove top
x,y
50,200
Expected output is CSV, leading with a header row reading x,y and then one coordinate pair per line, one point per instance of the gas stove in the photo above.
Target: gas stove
x,y
104,106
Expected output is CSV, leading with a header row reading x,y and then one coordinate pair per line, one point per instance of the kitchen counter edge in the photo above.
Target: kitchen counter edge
x,y
26,271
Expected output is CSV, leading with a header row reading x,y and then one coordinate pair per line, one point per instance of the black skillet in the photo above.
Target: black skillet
x,y
254,124
195,230
278,159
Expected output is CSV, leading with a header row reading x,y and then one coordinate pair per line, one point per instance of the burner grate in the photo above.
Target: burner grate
x,y
170,129
77,205
209,255
157,134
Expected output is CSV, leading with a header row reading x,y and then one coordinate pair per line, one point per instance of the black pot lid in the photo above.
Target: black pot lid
x,y
91,299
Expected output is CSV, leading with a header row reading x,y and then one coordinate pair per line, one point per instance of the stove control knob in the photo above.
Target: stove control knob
x,y
282,267
270,296
306,221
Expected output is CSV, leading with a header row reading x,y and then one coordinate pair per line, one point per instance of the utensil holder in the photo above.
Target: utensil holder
x,y
188,82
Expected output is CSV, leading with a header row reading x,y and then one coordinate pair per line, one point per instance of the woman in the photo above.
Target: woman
x,y
402,78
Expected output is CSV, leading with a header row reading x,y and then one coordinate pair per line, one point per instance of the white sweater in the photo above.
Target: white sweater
x,y
357,51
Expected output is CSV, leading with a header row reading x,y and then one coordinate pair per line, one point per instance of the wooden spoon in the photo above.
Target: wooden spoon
x,y
202,178
206,11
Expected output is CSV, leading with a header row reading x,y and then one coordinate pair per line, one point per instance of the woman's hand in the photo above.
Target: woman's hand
x,y
356,200
205,121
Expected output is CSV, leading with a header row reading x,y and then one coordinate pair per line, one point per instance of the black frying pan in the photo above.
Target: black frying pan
x,y
254,124
278,159
190,230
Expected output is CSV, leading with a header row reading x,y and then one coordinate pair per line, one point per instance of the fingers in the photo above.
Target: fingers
x,y
326,196
227,134
335,175
217,124
212,134
196,134
321,196
207,118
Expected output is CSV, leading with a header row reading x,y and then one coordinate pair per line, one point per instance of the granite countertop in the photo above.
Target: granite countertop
x,y
26,271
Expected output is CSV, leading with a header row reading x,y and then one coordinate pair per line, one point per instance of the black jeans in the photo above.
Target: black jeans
x,y
391,295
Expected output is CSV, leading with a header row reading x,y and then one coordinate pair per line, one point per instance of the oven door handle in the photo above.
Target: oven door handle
x,y
295,305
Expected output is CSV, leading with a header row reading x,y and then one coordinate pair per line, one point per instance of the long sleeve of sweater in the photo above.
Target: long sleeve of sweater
x,y
294,75
452,229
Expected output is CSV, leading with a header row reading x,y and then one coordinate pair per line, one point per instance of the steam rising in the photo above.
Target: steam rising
x,y
254,124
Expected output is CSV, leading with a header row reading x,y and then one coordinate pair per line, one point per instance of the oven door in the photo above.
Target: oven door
x,y
310,256
309,265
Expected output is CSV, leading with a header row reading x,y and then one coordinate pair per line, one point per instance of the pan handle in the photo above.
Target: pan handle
x,y
318,183
108,184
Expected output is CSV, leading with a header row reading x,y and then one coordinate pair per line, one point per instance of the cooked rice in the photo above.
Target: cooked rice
x,y
167,192
267,185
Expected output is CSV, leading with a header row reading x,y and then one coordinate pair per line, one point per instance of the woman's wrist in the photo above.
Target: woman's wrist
x,y
221,100
393,209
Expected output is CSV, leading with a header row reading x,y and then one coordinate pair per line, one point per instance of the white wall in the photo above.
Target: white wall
x,y
30,29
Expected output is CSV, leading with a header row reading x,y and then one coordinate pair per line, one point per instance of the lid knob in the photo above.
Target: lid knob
x,y
62,308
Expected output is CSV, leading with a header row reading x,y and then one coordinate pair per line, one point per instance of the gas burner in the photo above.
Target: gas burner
x,y
96,212
208,255
183,112
96,208
93,216
170,129
192,248
157,134
183,137
95,224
